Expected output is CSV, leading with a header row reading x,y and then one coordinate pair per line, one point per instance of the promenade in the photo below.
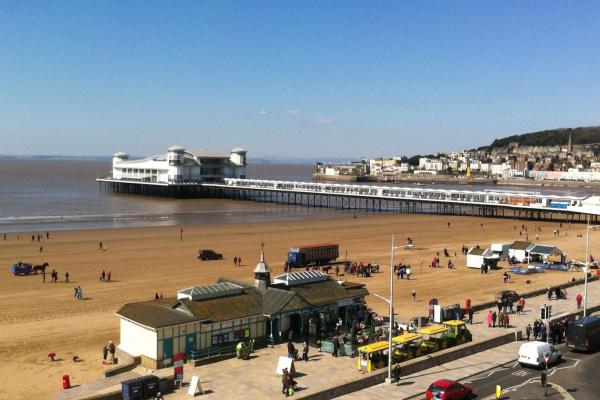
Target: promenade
x,y
256,378
414,385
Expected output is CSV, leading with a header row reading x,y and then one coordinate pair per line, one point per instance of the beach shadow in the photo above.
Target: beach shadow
x,y
74,386
405,383
205,391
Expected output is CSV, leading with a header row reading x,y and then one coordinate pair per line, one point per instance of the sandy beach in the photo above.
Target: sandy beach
x,y
37,318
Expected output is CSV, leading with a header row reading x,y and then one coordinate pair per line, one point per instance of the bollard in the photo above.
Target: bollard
x,y
66,382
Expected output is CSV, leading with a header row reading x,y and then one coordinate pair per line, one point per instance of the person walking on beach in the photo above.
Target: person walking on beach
x,y
414,295
66,277
41,249
239,261
76,293
100,245
108,277
408,276
79,293
111,350
234,260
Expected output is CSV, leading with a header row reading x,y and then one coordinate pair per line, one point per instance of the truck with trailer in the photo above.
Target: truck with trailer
x,y
316,254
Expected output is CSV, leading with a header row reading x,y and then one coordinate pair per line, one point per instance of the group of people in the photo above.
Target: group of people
x,y
557,331
402,270
360,269
105,276
158,295
78,293
288,383
237,261
54,276
502,319
37,236
557,292
108,349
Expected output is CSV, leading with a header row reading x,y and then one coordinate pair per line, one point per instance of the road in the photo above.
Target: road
x,y
576,377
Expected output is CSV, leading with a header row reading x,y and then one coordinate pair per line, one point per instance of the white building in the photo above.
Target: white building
x,y
520,250
477,256
180,165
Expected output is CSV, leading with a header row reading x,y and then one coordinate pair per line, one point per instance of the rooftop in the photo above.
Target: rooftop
x,y
220,289
300,278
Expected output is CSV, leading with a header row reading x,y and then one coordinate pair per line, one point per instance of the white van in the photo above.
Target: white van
x,y
532,353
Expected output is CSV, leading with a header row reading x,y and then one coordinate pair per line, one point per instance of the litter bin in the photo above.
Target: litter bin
x,y
150,386
66,382
132,389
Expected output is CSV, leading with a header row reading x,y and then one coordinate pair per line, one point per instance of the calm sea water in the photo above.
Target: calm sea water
x,y
40,195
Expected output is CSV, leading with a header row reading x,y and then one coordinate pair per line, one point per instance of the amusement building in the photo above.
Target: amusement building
x,y
207,321
179,165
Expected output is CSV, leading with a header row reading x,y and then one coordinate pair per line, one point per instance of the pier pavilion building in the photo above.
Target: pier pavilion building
x,y
179,165
207,321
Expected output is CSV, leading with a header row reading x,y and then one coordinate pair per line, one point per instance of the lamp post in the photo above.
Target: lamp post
x,y
587,262
390,301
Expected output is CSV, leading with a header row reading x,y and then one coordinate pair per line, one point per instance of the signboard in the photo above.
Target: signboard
x,y
285,362
437,313
178,366
195,387
546,357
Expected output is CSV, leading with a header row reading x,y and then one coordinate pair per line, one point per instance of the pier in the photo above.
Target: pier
x,y
520,205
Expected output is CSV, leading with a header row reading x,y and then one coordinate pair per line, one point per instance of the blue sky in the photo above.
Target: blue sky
x,y
292,78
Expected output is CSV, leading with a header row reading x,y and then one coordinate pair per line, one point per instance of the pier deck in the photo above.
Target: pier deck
x,y
522,205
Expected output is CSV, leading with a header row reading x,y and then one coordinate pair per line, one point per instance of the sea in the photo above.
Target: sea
x,y
47,195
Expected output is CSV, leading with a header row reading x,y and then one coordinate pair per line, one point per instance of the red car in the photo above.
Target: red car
x,y
445,389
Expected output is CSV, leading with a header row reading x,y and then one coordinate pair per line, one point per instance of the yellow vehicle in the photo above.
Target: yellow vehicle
x,y
373,356
407,346
457,332
434,338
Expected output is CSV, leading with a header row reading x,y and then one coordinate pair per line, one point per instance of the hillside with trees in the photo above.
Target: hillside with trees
x,y
553,137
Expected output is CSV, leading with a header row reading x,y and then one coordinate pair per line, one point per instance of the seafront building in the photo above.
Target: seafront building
x,y
179,165
207,321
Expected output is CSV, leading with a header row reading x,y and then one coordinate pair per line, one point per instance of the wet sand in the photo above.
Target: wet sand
x,y
37,318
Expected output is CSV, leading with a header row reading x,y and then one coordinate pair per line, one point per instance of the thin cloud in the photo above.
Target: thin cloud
x,y
322,121
292,113
260,113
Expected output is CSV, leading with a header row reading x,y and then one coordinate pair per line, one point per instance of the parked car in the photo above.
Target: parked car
x,y
532,354
208,254
445,389
509,294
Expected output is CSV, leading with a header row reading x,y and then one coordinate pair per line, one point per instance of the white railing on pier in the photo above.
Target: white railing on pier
x,y
521,200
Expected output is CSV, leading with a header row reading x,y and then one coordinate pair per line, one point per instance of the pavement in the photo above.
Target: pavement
x,y
413,386
256,378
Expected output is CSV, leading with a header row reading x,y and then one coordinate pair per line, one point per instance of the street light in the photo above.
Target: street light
x,y
587,262
390,301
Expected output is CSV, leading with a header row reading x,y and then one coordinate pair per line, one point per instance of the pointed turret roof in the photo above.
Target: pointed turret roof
x,y
262,265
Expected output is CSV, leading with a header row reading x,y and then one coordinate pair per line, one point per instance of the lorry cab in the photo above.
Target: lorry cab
x,y
532,354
